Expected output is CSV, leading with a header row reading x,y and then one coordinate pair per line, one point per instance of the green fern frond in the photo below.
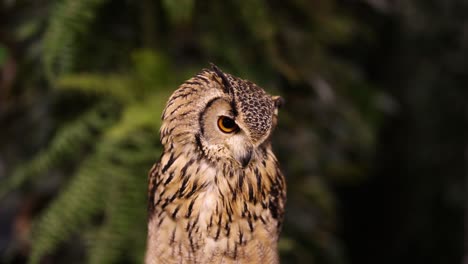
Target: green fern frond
x,y
118,87
66,145
78,202
69,23
110,242
112,182
140,114
125,205
150,73
125,211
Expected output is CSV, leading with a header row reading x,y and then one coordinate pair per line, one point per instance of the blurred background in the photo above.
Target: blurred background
x,y
373,138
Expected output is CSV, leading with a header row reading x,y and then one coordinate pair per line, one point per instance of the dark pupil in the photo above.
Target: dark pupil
x,y
228,123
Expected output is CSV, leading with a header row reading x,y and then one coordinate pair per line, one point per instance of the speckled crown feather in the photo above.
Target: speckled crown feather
x,y
252,101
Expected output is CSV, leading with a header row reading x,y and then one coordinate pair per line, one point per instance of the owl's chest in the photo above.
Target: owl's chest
x,y
211,233
211,215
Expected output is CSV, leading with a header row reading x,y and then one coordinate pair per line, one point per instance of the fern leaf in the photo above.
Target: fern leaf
x,y
140,114
119,87
68,24
125,211
74,207
125,205
150,73
65,145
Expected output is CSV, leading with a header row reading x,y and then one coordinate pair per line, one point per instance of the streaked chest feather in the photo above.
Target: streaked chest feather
x,y
201,213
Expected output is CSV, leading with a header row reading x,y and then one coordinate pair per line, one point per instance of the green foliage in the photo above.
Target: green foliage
x,y
68,25
111,182
126,202
78,202
256,14
179,11
68,145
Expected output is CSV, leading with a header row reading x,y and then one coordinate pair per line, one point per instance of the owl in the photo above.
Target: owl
x,y
217,195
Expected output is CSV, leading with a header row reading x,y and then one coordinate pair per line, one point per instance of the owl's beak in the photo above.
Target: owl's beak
x,y
241,149
245,158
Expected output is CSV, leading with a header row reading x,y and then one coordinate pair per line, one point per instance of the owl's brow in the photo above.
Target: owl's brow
x,y
202,113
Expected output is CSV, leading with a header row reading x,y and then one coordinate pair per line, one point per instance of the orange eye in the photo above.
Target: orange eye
x,y
226,124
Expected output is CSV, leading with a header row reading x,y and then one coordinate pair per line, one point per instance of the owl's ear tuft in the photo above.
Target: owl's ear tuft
x,y
279,101
220,74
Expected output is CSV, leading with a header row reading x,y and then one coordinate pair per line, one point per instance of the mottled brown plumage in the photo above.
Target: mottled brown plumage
x,y
217,195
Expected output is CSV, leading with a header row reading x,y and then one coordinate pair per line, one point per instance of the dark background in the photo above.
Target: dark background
x,y
373,138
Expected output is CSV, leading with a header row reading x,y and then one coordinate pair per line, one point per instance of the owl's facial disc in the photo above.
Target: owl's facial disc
x,y
224,134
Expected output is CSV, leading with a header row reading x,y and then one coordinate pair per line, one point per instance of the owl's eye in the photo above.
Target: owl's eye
x,y
226,124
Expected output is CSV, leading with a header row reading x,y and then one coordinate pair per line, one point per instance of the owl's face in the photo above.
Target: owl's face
x,y
228,119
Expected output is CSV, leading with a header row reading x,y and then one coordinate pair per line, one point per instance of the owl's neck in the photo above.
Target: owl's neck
x,y
200,212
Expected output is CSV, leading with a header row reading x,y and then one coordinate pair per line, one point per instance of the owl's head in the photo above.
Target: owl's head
x,y
224,118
